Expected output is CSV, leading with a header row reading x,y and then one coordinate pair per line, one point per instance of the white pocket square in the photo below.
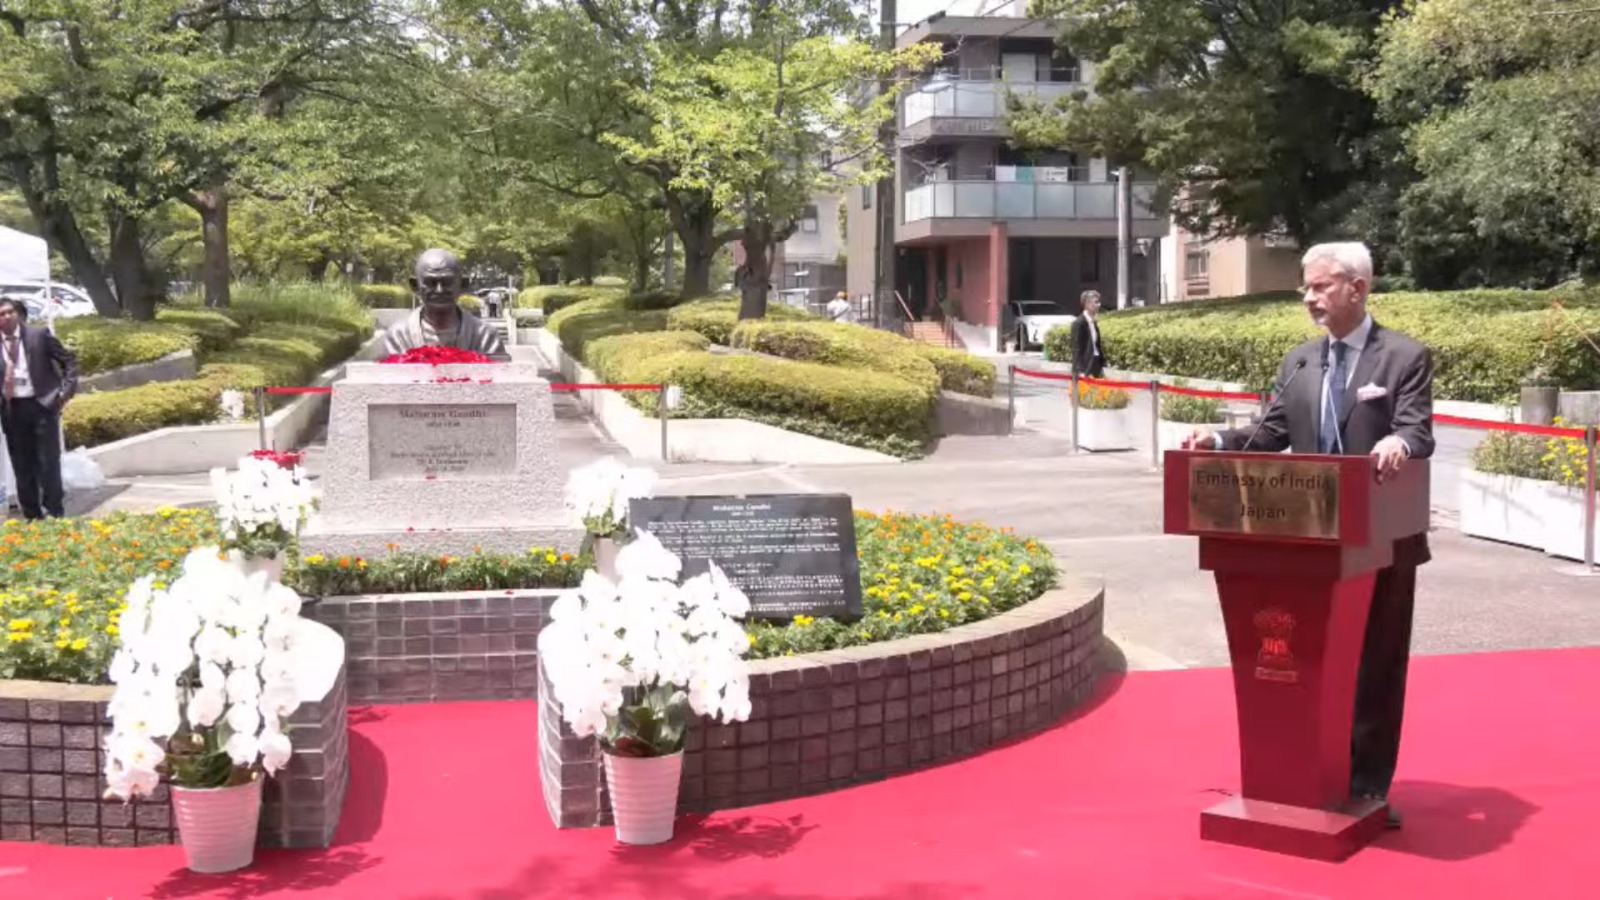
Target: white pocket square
x,y
1371,392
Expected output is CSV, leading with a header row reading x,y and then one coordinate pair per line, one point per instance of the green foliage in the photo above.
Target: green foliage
x,y
959,371
851,406
716,318
1483,342
554,297
385,296
582,323
920,574
104,416
1190,410
410,573
653,300
839,344
611,357
1519,455
105,344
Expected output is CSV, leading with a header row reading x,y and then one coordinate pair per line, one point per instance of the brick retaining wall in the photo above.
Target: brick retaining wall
x,y
52,756
825,721
465,645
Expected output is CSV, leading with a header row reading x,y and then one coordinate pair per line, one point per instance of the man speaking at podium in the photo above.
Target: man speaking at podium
x,y
1360,389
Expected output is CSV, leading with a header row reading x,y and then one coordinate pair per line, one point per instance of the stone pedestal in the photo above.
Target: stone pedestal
x,y
441,459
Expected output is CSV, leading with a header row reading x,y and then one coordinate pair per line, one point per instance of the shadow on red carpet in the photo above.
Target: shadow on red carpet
x,y
1499,785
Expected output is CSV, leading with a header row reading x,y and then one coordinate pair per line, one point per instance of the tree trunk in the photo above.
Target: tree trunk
x,y
758,246
694,218
641,271
318,270
56,222
128,269
217,270
383,275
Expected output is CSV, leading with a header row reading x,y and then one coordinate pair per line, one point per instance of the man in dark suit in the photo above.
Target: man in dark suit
x,y
1359,390
38,375
1088,356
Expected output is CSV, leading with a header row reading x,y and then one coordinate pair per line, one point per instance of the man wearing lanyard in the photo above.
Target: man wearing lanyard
x,y
38,375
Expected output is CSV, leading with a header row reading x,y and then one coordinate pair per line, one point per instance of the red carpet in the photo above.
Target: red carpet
x,y
1499,787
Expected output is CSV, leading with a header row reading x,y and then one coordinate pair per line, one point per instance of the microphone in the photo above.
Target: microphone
x,y
1278,398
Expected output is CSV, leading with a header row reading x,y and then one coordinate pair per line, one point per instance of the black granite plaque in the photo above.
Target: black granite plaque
x,y
792,554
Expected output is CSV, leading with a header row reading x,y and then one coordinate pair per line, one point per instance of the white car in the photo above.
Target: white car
x,y
1031,320
64,301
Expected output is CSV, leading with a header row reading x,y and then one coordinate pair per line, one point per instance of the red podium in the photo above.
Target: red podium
x,y
1295,542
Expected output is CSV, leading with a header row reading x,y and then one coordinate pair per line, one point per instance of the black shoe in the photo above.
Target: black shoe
x,y
1391,817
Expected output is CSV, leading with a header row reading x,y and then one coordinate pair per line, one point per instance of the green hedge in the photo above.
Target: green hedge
x,y
554,297
859,407
385,296
1484,342
839,344
716,317
280,335
105,344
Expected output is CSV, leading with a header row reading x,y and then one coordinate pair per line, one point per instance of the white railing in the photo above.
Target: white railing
x,y
976,99
1021,200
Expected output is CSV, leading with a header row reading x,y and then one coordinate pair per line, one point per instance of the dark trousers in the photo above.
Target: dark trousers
x,y
1381,683
33,440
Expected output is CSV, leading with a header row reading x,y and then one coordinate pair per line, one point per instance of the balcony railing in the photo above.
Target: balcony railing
x,y
1021,200
965,98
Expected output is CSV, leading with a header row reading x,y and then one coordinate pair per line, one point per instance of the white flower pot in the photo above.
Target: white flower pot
x,y
644,796
1505,508
1105,429
1563,522
217,826
1171,434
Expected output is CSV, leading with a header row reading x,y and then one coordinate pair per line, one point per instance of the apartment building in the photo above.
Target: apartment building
x,y
1194,267
981,224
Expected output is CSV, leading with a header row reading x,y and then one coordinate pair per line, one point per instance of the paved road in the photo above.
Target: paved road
x,y
1100,513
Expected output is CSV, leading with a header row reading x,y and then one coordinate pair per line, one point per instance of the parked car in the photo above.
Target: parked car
x,y
63,302
1031,320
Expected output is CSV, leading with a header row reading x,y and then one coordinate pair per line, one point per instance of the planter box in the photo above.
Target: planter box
x,y
1105,429
1563,522
1171,434
1506,508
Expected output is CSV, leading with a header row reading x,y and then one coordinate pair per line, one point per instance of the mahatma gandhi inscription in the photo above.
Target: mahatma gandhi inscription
x,y
1266,497
792,554
442,441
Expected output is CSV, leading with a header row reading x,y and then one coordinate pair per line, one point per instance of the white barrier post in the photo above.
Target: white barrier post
x,y
261,416
1074,412
661,411
1155,423
1588,498
1011,397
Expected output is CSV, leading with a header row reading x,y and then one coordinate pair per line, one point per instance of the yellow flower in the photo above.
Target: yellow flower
x,y
944,613
17,637
80,644
803,620
315,559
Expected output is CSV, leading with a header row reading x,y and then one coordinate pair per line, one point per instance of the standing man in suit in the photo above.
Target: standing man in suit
x,y
38,375
1361,390
1088,357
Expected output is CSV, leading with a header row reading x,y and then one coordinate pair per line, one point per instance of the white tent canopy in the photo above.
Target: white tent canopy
x,y
24,259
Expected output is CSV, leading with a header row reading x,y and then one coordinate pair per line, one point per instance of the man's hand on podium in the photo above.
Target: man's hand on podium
x,y
1199,439
1390,454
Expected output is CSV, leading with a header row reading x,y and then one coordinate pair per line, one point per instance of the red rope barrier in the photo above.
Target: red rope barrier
x,y
1210,395
1518,427
1050,376
553,387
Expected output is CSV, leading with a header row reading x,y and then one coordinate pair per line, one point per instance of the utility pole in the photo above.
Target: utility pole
x,y
1124,232
885,217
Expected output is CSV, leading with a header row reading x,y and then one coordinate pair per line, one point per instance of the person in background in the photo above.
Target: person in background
x,y
839,308
1088,355
38,376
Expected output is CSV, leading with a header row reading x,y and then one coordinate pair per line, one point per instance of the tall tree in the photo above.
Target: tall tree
x,y
1250,114
1497,100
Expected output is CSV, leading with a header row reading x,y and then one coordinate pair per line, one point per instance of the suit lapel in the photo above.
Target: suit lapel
x,y
1363,374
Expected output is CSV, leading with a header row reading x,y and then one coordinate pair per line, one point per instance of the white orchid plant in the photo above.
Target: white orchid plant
x,y
205,678
628,661
263,504
601,491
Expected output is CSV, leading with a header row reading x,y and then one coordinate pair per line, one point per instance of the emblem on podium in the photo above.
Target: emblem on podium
x,y
1275,657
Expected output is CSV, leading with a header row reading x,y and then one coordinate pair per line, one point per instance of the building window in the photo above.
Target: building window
x,y
1197,265
808,220
866,195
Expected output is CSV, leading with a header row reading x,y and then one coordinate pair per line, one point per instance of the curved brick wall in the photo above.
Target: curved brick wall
x,y
829,720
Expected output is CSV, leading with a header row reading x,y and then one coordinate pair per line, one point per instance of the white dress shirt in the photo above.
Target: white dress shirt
x,y
23,385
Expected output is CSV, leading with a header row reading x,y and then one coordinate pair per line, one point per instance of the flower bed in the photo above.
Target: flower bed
x,y
1528,491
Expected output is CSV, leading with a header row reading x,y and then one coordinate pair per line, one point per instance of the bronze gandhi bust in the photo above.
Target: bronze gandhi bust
x,y
438,319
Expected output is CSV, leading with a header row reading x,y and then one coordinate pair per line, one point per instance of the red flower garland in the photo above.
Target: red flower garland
x,y
436,356
286,459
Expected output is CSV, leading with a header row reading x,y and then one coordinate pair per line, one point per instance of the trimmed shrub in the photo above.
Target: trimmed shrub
x,y
959,371
102,417
582,323
715,317
554,297
852,406
611,357
329,305
215,328
839,344
105,344
1484,342
653,300
384,296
